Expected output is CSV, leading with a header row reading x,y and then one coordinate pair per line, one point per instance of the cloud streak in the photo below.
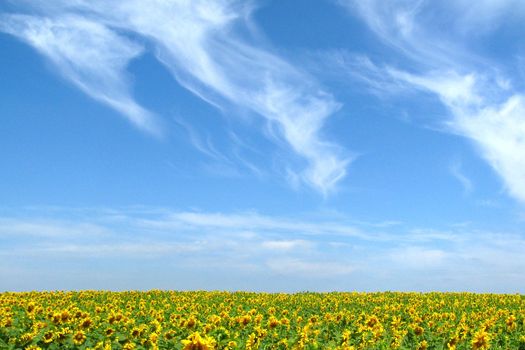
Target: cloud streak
x,y
457,172
89,55
209,49
483,104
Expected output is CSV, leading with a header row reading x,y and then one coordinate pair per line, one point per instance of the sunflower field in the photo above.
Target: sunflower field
x,y
241,320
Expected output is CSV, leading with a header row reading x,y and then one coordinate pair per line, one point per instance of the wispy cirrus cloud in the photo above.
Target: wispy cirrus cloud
x,y
457,172
203,44
484,105
497,128
15,228
486,16
90,56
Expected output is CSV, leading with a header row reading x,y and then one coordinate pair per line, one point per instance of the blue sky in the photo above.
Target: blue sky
x,y
262,145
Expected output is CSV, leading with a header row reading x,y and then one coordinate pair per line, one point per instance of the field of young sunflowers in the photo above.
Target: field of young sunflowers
x,y
221,320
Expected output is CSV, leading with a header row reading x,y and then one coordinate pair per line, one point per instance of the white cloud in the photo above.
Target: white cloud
x,y
487,15
457,172
252,222
202,44
118,249
18,228
205,146
499,131
317,269
418,257
210,60
89,55
286,245
483,105
454,90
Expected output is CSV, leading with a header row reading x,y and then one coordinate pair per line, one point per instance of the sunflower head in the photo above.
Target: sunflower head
x,y
196,342
79,337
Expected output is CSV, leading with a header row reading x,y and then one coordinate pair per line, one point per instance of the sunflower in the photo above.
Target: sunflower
x,y
196,342
153,337
79,337
129,346
33,347
48,337
273,322
481,340
86,323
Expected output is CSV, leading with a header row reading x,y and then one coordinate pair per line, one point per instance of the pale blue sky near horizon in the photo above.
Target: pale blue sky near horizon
x,y
262,145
